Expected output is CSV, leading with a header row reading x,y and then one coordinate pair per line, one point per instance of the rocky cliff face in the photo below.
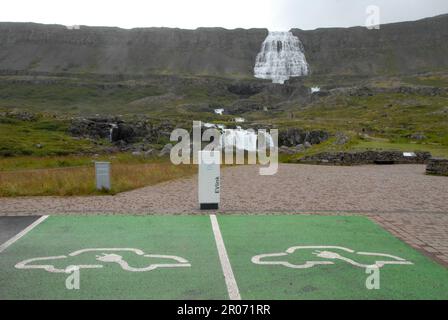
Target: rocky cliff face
x,y
396,48
54,48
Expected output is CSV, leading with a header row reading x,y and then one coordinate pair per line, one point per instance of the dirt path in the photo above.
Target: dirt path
x,y
401,197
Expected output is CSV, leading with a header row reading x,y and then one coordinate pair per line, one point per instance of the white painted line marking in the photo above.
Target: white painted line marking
x,y
232,287
21,233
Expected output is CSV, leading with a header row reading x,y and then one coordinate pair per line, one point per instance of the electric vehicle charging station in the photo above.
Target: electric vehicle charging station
x,y
209,184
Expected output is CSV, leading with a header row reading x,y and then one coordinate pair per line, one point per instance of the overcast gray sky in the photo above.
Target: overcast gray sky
x,y
190,14
343,13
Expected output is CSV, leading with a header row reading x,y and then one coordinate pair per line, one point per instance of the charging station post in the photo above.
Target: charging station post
x,y
209,184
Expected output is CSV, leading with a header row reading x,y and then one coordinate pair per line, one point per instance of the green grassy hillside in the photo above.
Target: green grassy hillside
x,y
41,137
383,121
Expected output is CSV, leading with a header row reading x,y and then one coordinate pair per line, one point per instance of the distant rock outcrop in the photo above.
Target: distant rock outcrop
x,y
119,131
293,136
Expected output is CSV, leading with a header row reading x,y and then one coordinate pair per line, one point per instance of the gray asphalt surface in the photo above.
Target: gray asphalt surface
x,y
10,226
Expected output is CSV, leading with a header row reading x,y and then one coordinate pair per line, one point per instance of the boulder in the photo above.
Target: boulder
x,y
166,150
20,115
150,153
300,147
341,139
123,132
417,136
287,150
245,88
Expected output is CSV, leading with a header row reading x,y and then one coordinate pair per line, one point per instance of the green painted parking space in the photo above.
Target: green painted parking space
x,y
128,257
326,259
199,257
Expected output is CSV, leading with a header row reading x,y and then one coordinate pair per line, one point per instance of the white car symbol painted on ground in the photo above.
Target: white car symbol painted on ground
x,y
329,255
112,257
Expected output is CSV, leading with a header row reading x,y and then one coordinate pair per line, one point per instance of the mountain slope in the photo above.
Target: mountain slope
x,y
406,47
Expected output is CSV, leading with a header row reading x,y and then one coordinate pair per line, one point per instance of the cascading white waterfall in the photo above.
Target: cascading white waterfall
x,y
244,139
240,138
113,126
281,57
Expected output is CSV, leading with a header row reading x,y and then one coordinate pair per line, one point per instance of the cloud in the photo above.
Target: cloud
x,y
328,257
106,255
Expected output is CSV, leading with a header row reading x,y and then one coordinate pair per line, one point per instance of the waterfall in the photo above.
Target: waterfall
x,y
243,139
281,57
113,126
240,138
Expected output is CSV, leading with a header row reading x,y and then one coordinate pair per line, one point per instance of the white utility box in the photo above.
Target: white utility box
x,y
209,184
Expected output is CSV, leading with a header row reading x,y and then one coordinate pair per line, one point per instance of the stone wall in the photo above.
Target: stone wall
x,y
437,167
366,157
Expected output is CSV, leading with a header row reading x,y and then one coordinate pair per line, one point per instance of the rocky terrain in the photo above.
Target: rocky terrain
x,y
146,134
